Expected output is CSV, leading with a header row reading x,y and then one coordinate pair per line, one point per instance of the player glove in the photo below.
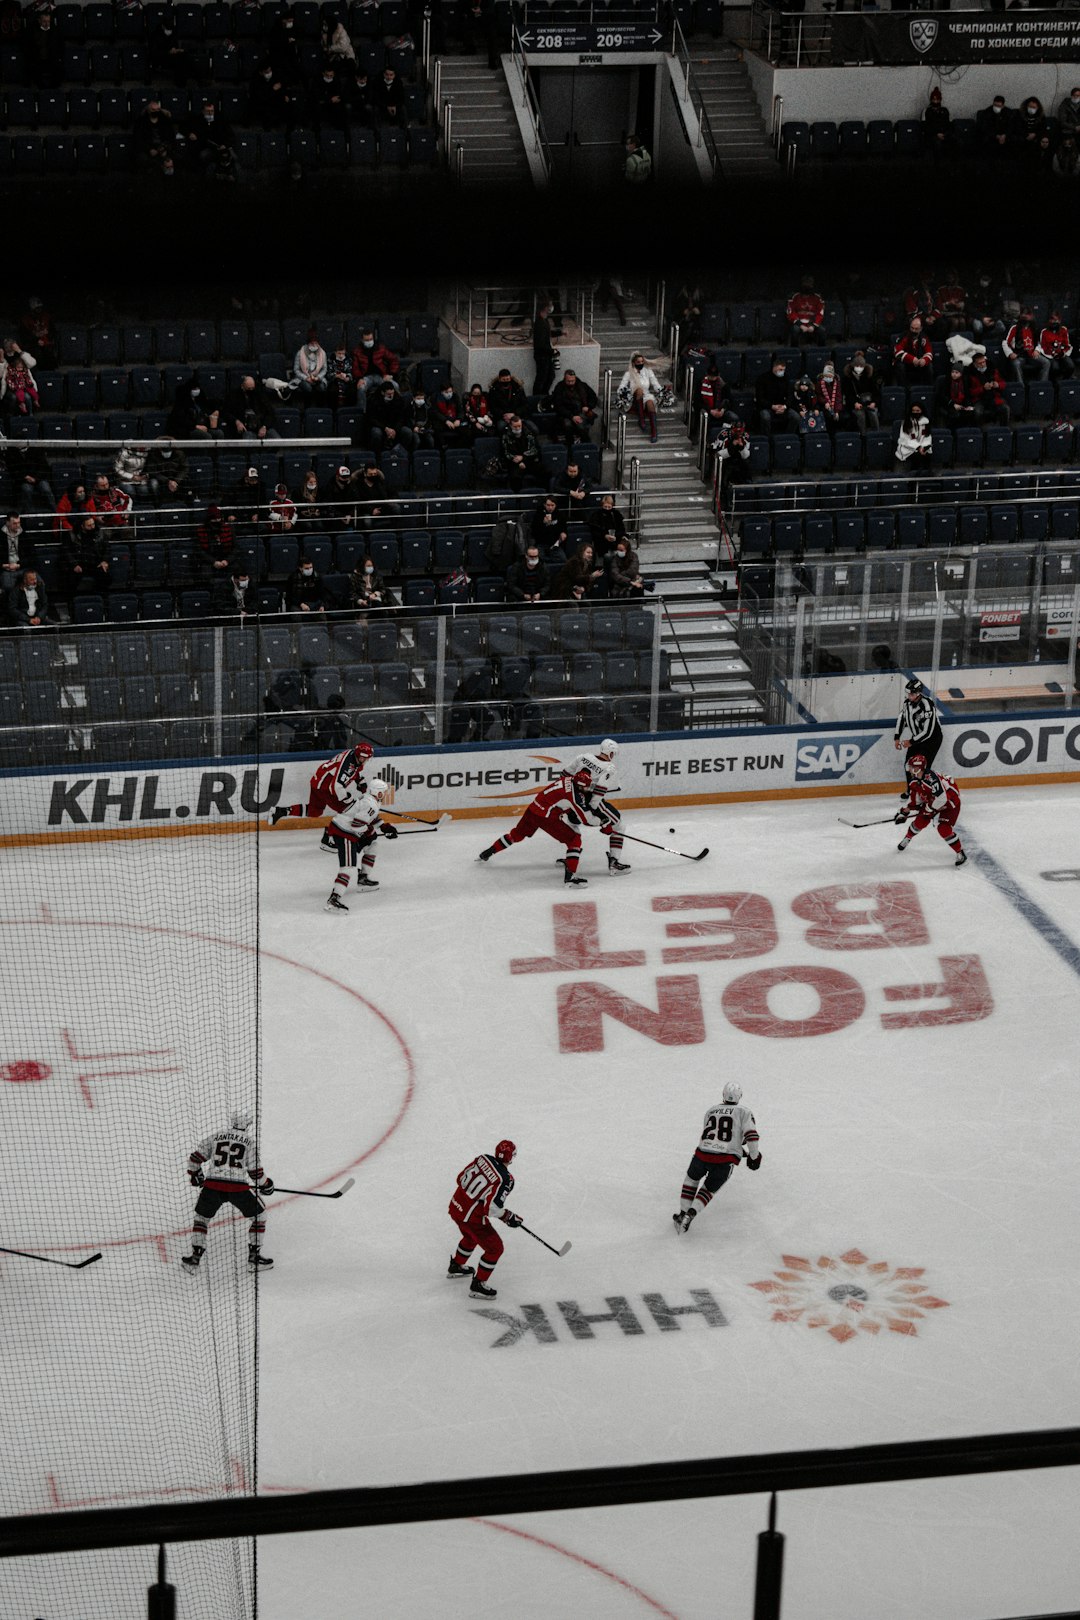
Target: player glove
x,y
196,1178
388,829
754,1164
901,816
265,1188
511,1219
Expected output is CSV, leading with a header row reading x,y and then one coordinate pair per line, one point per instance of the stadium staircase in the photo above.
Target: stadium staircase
x,y
742,140
483,122
679,543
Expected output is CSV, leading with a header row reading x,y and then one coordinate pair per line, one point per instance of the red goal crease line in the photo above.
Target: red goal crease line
x,y
820,790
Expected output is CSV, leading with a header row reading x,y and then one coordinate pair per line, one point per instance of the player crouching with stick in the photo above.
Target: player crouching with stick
x,y
353,832
729,1131
483,1185
931,797
222,1166
602,772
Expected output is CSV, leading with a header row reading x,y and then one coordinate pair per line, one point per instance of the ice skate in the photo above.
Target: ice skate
x,y
615,865
482,1291
903,844
365,882
572,877
678,1219
334,903
191,1261
258,1261
687,1219
485,855
961,859
456,1270
326,842
278,815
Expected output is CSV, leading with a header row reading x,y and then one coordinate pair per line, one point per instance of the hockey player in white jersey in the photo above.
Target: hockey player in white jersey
x,y
353,832
226,1169
602,773
728,1133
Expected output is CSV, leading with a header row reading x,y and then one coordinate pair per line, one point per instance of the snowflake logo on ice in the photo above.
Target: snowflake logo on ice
x,y
849,1295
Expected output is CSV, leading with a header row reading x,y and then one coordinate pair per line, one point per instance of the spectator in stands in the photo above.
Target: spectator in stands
x,y
477,29
994,130
249,412
216,538
987,326
572,490
775,395
578,577
71,505
18,391
638,392
281,514
281,46
1068,113
829,396
937,130
331,103
806,314
921,299
1066,160
1055,345
688,302
986,391
85,565
204,135
1020,347
309,367
1030,128
387,419
37,333
543,346
305,591
420,419
363,100
914,444
367,589
309,502
546,527
731,447
610,290
129,470
340,382
805,397
374,505
713,396
388,95
112,506
913,356
506,398
519,453
28,603
240,596
32,475
862,394
953,406
167,474
16,550
43,51
527,579
337,44
478,411
952,302
451,427
336,501
623,573
607,527
637,170
169,56
193,416
268,100
373,362
574,403
248,499
154,132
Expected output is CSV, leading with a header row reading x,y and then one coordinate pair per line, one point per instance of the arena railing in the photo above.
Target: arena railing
x,y
689,1479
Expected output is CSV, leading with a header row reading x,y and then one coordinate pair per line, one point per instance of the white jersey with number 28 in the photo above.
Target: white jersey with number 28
x,y
728,1129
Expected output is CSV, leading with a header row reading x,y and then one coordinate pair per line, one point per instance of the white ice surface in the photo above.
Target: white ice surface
x,y
398,1043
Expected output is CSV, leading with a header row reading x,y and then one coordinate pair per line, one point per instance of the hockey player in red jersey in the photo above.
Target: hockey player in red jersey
x,y
327,792
352,833
483,1185
225,1166
728,1134
931,797
561,810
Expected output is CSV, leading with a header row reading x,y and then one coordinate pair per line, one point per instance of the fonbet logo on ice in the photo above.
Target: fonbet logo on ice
x,y
850,1294
829,758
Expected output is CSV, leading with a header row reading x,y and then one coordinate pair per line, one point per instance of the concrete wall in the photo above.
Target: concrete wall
x,y
674,155
902,92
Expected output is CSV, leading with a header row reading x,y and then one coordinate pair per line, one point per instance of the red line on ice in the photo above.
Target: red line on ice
x,y
578,1558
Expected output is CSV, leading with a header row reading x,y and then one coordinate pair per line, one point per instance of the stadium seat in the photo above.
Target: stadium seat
x,y
536,632
786,452
1064,521
155,605
847,452
880,143
850,531
817,451
1034,520
968,446
909,137
910,528
1028,443
999,446
795,132
88,610
854,141
941,526
974,525
1004,524
824,138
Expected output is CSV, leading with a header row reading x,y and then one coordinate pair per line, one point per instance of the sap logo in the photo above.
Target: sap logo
x,y
829,760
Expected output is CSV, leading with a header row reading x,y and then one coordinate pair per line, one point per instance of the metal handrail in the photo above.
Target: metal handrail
x,y
605,407
978,486
620,448
634,506
705,136
777,121
531,103
425,42
673,348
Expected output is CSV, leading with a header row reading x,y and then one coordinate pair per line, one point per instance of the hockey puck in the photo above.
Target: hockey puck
x,y
671,829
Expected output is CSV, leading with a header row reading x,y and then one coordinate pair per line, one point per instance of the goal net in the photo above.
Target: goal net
x,y
129,1028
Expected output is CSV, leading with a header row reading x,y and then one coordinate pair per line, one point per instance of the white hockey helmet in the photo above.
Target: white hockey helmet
x,y
240,1119
607,749
378,788
732,1092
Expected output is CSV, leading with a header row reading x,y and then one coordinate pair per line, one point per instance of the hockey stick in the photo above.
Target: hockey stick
x,y
429,826
72,1265
560,1252
405,816
882,823
302,1192
649,845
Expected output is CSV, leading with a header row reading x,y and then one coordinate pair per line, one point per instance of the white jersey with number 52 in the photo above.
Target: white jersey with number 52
x,y
728,1129
227,1156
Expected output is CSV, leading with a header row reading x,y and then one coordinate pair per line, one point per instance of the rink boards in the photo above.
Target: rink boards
x,y
668,769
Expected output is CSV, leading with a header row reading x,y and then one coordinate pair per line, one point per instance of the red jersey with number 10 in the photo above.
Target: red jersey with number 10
x,y
484,1182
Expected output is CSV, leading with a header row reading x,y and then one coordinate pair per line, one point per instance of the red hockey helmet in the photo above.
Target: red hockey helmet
x,y
584,777
506,1151
917,764
362,753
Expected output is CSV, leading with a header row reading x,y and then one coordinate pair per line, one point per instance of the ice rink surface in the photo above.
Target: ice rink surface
x,y
904,1266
